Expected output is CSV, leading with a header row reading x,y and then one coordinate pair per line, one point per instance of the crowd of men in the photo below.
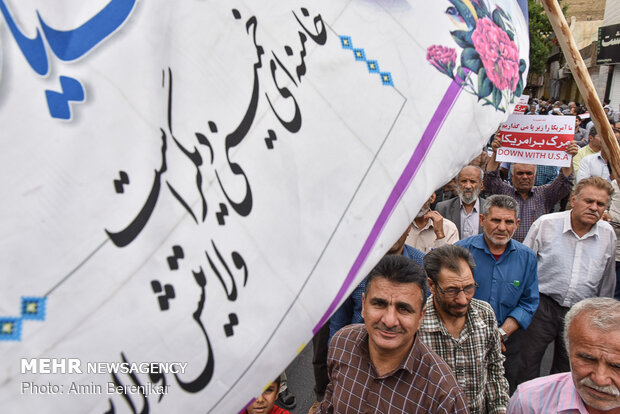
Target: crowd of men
x,y
457,315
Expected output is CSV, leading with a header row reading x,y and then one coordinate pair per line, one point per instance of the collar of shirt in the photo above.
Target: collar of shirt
x,y
476,206
518,196
568,227
409,364
432,323
481,244
428,225
569,399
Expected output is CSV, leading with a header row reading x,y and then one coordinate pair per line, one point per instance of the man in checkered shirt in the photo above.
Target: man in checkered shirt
x,y
534,201
382,366
463,330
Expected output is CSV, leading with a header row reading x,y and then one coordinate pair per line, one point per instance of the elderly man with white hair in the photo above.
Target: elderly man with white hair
x,y
592,338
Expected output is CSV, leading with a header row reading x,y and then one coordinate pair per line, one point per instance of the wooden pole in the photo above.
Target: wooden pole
x,y
584,82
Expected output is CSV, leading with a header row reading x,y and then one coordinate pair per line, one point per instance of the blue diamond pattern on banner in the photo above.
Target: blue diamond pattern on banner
x,y
373,66
359,54
33,308
10,329
346,42
386,78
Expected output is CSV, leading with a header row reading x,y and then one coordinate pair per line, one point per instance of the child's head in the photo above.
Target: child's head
x,y
264,403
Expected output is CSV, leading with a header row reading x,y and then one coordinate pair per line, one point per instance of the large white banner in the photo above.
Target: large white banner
x,y
190,188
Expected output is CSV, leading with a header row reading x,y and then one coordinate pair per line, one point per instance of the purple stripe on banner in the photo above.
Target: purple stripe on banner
x,y
410,171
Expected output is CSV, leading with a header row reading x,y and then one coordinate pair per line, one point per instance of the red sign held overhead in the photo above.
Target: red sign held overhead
x,y
536,139
521,105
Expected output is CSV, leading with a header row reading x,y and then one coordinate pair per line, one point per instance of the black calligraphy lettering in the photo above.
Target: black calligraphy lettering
x,y
173,261
156,377
164,299
244,207
231,293
202,140
180,200
240,264
232,322
194,157
125,395
320,37
127,235
283,68
294,124
271,136
207,373
222,213
119,185
301,68
111,409
142,392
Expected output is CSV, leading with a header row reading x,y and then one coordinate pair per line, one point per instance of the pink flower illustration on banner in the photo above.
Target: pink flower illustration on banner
x,y
499,54
443,58
488,66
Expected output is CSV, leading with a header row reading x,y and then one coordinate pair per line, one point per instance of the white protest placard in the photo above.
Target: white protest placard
x,y
191,188
521,105
536,139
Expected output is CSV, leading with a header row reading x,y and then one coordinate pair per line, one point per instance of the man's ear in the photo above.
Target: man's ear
x,y
431,285
421,317
432,198
363,303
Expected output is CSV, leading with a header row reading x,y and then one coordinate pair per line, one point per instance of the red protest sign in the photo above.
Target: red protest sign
x,y
521,105
536,139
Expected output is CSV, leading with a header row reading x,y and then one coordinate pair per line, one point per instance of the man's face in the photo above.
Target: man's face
x,y
595,363
523,177
595,142
392,314
588,205
447,281
499,225
397,248
468,184
264,403
426,207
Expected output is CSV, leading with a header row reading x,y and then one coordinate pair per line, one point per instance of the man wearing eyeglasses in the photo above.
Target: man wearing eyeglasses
x,y
506,271
463,330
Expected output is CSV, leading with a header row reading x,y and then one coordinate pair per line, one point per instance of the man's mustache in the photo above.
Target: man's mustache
x,y
607,389
382,327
